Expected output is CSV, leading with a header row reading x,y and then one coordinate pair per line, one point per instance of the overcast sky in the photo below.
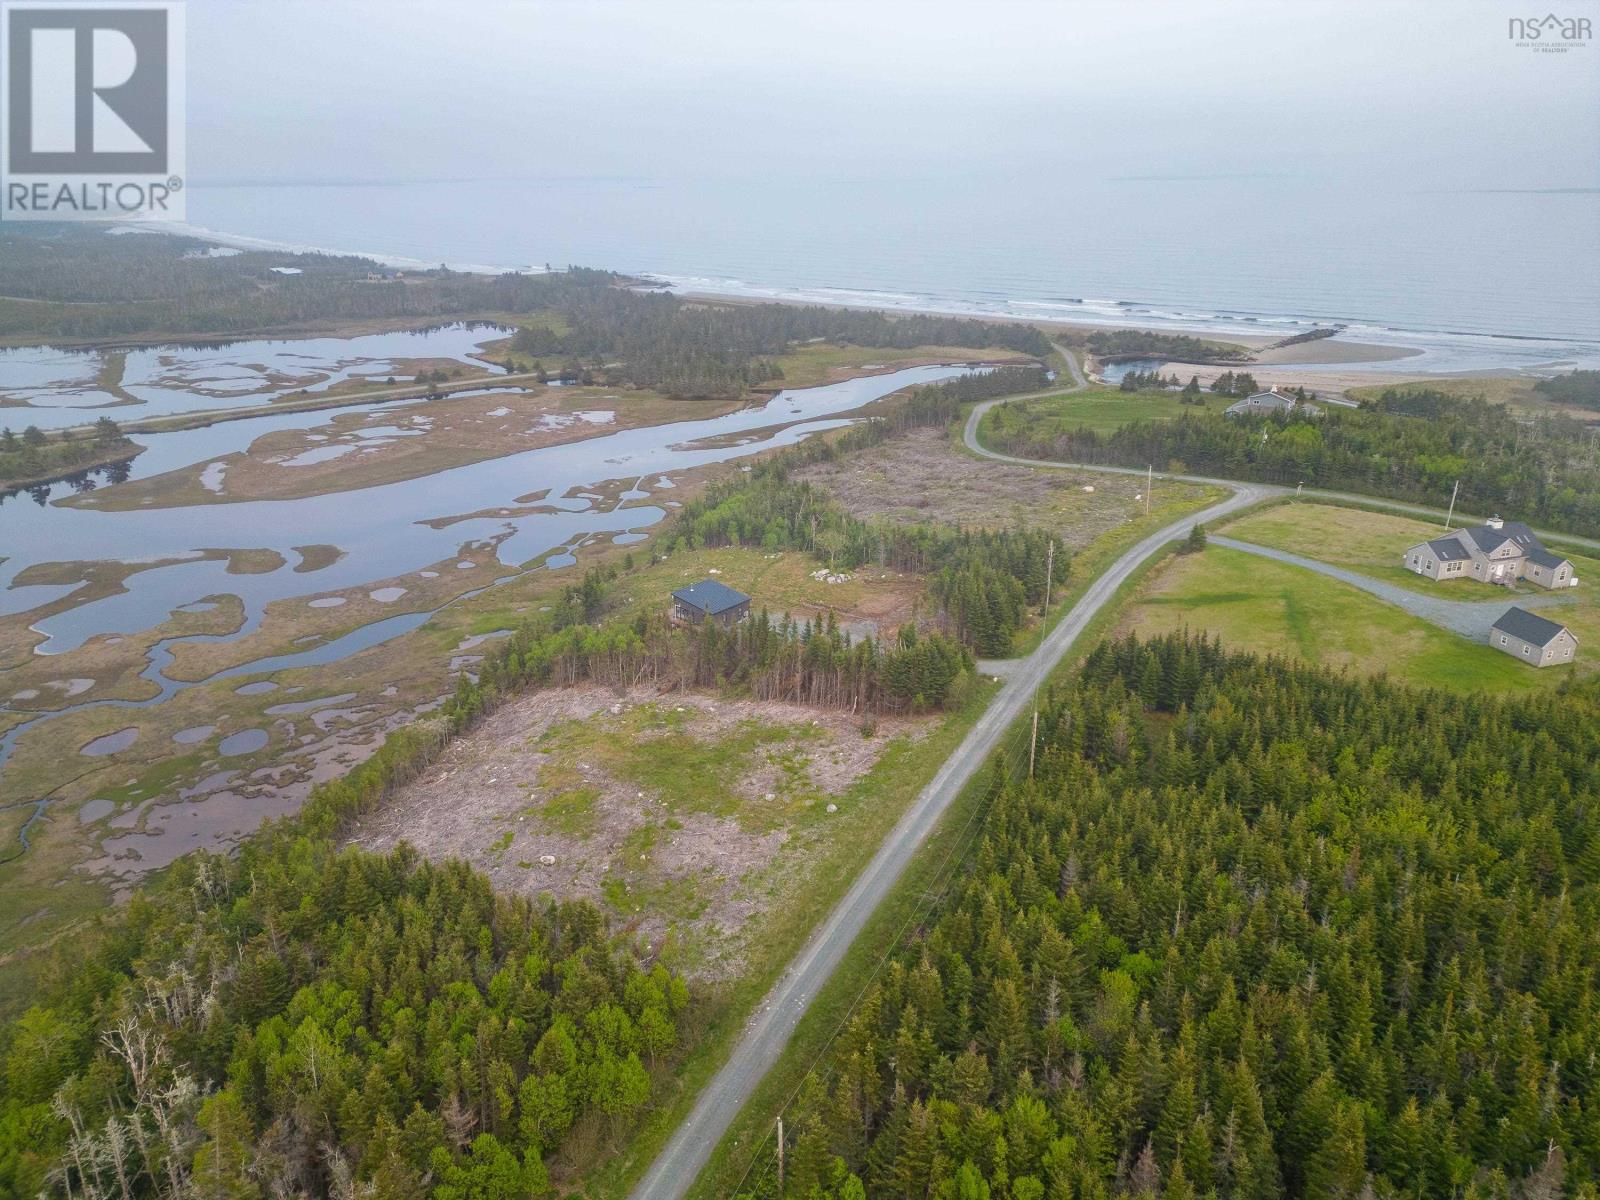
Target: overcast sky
x,y
1418,94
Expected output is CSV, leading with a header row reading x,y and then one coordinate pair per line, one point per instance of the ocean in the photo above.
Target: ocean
x,y
1479,280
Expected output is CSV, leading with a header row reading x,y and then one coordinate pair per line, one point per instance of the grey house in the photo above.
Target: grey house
x,y
709,600
1497,552
1533,639
1259,404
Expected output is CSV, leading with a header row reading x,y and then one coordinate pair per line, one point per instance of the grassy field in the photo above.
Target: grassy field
x,y
1101,409
778,581
1369,542
1269,607
825,362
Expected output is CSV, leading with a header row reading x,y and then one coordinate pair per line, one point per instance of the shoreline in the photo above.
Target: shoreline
x,y
111,458
1362,340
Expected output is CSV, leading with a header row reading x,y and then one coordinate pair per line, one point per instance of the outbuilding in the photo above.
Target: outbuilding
x,y
709,600
1533,639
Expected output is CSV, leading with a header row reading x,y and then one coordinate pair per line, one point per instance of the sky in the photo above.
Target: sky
x,y
1409,95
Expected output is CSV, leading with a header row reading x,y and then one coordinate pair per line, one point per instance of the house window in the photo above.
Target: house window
x,y
1524,650
1502,639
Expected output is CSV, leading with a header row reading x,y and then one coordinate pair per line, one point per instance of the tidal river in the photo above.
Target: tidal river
x,y
536,504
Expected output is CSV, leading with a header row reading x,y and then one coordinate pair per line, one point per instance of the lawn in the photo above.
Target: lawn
x,y
1257,604
1369,542
1101,409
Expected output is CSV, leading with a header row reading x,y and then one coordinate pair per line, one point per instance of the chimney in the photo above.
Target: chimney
x,y
1495,523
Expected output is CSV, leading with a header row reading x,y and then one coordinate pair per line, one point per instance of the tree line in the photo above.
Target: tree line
x,y
95,286
1145,343
1252,930
1408,444
36,455
1578,388
982,580
683,348
305,1019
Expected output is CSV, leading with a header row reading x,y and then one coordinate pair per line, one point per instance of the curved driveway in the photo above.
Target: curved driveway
x,y
1469,618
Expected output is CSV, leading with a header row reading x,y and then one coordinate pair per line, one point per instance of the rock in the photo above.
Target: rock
x,y
1088,487
833,808
770,796
616,710
548,860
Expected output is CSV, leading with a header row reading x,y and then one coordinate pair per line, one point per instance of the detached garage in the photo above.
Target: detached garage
x,y
1533,639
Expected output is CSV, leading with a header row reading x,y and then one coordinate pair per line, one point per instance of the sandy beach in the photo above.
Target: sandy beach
x,y
1323,350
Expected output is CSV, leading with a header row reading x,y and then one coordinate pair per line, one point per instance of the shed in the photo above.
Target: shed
x,y
709,600
1532,638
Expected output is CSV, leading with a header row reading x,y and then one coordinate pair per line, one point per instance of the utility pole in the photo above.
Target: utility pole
x,y
1033,742
780,1156
1454,492
1149,482
1049,572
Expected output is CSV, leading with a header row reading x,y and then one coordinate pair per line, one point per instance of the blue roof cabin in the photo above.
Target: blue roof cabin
x,y
709,600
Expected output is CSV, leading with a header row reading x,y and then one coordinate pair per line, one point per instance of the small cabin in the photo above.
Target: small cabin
x,y
1533,639
709,600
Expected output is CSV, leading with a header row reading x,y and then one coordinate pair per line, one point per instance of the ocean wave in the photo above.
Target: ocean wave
x,y
1435,350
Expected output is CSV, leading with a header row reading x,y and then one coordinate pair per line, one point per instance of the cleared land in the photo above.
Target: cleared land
x,y
921,476
685,814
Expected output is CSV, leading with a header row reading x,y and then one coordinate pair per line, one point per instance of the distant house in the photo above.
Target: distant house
x,y
286,270
1532,638
1497,552
1260,404
709,600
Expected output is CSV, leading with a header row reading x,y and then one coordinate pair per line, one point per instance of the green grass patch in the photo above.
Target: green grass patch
x,y
1260,605
1359,539
1101,409
820,362
570,812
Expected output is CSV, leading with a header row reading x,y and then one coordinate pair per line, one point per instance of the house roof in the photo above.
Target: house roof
x,y
1263,400
711,597
1545,558
1449,549
1520,623
1490,539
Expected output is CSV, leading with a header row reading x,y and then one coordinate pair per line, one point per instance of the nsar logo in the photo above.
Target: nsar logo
x,y
1549,32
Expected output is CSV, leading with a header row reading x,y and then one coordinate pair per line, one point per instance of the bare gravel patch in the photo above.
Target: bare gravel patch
x,y
919,476
681,812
